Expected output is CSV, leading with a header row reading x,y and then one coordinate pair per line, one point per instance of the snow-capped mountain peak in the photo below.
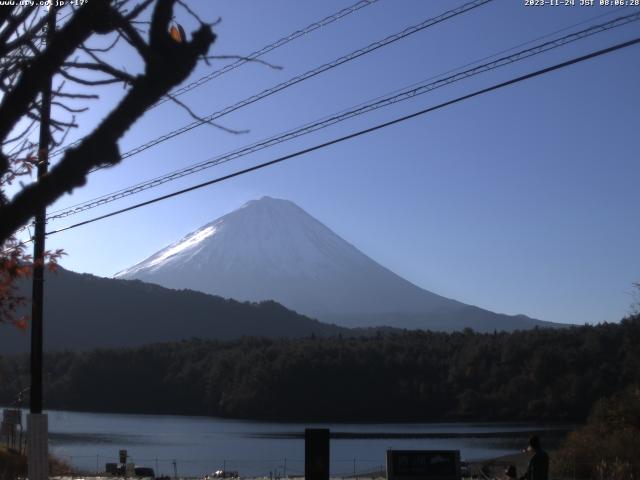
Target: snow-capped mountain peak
x,y
187,246
271,249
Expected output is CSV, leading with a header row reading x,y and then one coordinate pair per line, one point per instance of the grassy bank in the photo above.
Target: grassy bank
x,y
14,464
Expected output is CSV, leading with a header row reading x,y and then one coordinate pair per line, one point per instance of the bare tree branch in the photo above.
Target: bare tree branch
x,y
68,108
117,75
89,83
246,59
84,96
197,117
65,41
167,63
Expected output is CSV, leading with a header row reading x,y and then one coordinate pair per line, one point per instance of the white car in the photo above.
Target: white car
x,y
222,474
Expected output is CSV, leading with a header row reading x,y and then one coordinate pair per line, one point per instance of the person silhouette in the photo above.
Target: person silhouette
x,y
511,472
538,468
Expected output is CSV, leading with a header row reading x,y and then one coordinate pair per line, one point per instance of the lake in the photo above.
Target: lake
x,y
200,445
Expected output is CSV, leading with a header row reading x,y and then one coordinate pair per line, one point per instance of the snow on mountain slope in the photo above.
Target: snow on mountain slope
x,y
272,249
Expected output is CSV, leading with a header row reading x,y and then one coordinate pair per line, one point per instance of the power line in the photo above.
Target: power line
x,y
510,49
305,76
298,153
380,102
311,73
251,57
266,49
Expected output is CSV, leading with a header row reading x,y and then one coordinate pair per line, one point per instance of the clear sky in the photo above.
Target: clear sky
x,y
524,200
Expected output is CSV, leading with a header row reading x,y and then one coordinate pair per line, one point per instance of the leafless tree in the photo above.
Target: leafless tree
x,y
78,58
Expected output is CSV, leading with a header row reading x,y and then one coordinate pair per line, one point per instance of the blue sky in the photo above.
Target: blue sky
x,y
524,200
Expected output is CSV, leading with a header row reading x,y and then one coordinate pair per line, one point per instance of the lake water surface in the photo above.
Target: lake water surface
x,y
200,445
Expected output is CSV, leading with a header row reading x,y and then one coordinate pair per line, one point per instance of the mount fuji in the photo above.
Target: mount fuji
x,y
271,249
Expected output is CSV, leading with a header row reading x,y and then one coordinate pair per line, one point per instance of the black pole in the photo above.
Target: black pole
x,y
37,298
316,454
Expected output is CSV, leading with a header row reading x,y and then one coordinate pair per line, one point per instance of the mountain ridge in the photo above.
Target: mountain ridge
x,y
84,312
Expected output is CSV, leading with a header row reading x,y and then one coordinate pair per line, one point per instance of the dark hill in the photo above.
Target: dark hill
x,y
84,312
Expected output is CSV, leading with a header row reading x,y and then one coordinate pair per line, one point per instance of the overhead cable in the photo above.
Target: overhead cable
x,y
304,76
402,95
359,133
252,56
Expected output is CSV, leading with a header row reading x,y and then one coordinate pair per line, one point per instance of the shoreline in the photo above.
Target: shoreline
x,y
554,425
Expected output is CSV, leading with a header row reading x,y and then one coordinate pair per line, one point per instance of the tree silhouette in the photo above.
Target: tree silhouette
x,y
78,58
165,63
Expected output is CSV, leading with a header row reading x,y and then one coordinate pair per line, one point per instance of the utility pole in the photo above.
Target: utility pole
x,y
37,422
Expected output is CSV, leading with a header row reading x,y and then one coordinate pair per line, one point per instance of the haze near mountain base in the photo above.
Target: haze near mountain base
x,y
271,249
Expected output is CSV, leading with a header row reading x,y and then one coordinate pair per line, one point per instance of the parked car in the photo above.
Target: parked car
x,y
222,474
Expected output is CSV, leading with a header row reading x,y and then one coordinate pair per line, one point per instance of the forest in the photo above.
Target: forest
x,y
538,375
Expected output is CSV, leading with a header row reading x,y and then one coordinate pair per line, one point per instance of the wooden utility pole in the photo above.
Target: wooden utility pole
x,y
37,423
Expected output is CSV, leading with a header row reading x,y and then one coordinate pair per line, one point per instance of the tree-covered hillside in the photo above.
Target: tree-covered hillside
x,y
540,374
84,312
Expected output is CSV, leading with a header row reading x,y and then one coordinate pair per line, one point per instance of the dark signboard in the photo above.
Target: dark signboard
x,y
316,453
423,464
12,416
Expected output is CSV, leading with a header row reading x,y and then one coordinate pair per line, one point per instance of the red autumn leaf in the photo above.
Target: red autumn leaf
x,y
22,324
23,271
177,33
